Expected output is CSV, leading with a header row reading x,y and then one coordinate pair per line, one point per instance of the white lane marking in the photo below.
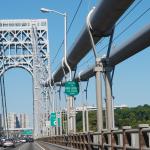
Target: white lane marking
x,y
40,146
21,147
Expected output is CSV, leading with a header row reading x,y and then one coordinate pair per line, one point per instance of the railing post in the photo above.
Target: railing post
x,y
89,140
84,141
143,137
80,137
66,140
113,139
102,140
126,137
106,139
76,140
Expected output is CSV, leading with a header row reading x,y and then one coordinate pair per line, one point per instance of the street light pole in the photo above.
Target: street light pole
x,y
45,10
70,100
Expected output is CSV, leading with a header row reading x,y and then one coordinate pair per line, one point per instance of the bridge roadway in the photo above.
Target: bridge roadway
x,y
37,146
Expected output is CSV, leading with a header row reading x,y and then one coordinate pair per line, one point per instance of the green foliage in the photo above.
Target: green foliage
x,y
79,121
92,121
123,117
132,116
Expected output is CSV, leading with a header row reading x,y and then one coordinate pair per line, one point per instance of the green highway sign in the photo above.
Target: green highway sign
x,y
53,119
26,132
72,88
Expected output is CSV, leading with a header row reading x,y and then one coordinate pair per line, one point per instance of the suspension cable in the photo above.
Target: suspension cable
x,y
86,89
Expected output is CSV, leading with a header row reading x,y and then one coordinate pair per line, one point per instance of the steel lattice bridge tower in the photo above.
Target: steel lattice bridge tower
x,y
24,44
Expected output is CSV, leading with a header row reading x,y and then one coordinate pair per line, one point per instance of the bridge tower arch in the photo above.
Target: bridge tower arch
x,y
24,43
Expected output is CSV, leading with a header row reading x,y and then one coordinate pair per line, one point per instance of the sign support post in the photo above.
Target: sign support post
x,y
71,89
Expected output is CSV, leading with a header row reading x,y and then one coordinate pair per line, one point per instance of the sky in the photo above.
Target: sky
x,y
131,81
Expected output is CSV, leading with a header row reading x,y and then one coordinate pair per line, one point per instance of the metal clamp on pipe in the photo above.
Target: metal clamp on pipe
x,y
99,65
89,27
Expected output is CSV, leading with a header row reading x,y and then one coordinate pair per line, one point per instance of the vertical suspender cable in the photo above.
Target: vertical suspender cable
x,y
87,114
110,41
3,96
3,106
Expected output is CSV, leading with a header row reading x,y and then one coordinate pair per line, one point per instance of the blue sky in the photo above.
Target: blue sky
x,y
131,79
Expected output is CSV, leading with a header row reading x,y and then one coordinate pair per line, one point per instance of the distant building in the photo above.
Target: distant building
x,y
11,120
121,106
24,120
90,108
15,120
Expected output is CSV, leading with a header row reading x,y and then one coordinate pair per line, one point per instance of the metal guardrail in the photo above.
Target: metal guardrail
x,y
124,139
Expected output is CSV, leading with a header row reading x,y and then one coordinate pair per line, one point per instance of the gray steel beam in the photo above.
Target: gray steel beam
x,y
137,43
102,21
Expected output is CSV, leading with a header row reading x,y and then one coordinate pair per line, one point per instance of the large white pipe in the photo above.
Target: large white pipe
x,y
102,20
140,41
137,43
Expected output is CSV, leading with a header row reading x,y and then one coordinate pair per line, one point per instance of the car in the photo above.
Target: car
x,y
9,143
17,141
1,142
23,140
30,140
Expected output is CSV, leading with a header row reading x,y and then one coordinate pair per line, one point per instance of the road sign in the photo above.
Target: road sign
x,y
72,88
27,132
53,119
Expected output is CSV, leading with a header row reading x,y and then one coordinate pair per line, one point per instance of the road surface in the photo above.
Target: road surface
x,y
36,146
25,146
